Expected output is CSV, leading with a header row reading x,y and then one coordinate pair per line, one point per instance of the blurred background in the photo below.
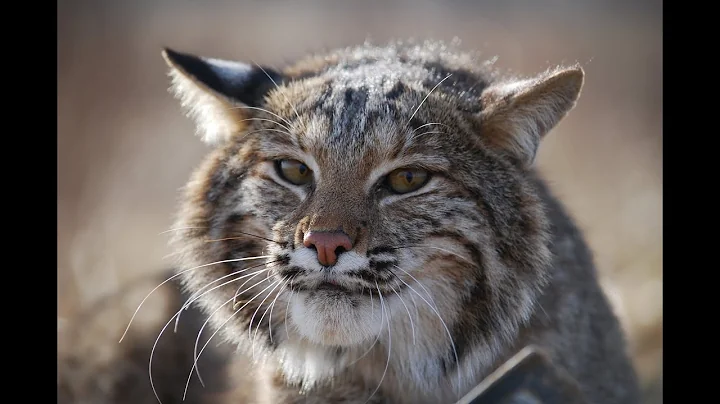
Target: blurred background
x,y
124,148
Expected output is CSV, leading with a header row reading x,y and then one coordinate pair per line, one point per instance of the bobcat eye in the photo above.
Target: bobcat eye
x,y
404,180
294,172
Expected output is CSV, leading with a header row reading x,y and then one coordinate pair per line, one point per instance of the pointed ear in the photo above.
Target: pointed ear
x,y
518,114
215,92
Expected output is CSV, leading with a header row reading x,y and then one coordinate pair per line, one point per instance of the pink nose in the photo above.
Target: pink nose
x,y
329,244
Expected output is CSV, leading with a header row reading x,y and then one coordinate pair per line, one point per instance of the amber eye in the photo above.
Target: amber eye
x,y
294,172
404,180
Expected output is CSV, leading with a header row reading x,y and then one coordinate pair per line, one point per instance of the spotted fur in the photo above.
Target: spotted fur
x,y
442,284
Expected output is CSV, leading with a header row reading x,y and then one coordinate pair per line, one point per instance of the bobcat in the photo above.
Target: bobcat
x,y
369,228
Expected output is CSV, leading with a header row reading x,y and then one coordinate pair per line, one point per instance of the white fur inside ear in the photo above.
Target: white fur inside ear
x,y
215,119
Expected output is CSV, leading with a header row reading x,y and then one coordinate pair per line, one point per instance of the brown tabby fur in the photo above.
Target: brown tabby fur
x,y
442,284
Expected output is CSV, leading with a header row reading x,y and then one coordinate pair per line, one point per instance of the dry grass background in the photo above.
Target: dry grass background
x,y
124,148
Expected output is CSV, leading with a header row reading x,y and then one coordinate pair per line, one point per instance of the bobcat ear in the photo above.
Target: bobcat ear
x,y
516,115
213,92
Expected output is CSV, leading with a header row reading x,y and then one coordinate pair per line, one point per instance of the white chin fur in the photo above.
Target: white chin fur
x,y
335,319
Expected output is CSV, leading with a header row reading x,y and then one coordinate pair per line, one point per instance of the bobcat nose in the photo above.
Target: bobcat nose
x,y
329,244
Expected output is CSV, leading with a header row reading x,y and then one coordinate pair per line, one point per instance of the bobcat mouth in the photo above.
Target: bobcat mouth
x,y
327,285
333,286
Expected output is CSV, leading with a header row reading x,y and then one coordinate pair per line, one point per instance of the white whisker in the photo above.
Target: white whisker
x,y
235,231
447,330
250,336
178,274
253,275
180,228
280,91
429,295
428,124
189,302
166,256
267,120
268,130
425,99
377,337
197,356
272,306
387,364
152,351
412,325
372,305
194,298
416,137
238,293
282,288
264,110
287,309
186,305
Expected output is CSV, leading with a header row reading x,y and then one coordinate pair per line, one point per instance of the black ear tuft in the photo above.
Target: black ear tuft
x,y
236,81
214,91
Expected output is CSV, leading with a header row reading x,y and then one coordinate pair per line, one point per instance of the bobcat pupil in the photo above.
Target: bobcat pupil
x,y
294,171
408,177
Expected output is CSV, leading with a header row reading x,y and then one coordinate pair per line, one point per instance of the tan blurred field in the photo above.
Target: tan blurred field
x,y
124,148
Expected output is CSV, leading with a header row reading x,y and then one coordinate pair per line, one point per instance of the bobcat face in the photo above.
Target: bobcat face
x,y
387,191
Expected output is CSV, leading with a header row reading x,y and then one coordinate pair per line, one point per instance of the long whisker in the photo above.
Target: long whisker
x,y
412,325
452,253
244,234
178,274
428,124
250,336
416,137
180,228
238,292
264,110
543,310
246,134
266,120
280,91
287,309
166,256
197,357
193,297
273,305
429,295
152,351
187,302
177,319
372,304
222,239
447,330
387,364
377,337
282,288
197,368
192,300
425,99
415,306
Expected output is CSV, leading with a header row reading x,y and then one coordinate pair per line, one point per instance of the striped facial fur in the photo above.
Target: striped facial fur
x,y
390,194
